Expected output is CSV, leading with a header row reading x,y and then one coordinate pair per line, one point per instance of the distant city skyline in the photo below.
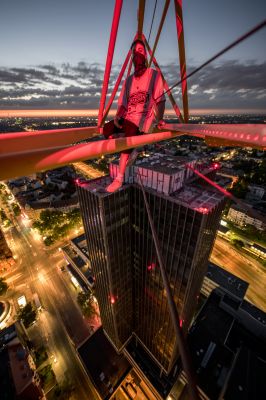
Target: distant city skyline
x,y
53,53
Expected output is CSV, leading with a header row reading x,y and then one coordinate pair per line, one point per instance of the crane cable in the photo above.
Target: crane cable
x,y
236,42
152,19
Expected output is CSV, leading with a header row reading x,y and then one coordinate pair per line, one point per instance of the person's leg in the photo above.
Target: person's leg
x,y
130,129
118,181
110,130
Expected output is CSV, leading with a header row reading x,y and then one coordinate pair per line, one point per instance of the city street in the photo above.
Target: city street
x,y
60,326
228,257
88,170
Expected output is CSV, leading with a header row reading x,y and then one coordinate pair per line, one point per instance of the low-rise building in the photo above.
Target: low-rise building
x,y
6,258
18,376
53,189
256,192
79,265
219,277
243,217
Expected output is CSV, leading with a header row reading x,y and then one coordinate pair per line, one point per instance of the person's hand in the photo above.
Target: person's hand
x,y
116,123
161,124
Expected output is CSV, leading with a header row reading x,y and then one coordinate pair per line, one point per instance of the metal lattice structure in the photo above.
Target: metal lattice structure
x,y
23,153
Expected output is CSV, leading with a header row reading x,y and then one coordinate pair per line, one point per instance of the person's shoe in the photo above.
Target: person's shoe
x,y
132,158
114,186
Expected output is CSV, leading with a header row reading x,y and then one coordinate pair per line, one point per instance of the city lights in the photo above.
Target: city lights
x,y
216,165
203,210
151,266
41,277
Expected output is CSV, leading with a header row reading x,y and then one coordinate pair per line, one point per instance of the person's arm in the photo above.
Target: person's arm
x,y
160,102
160,107
160,110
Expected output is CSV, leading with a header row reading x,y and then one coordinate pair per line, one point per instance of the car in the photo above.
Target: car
x,y
22,301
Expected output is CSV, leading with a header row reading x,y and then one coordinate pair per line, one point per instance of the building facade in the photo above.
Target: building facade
x,y
242,217
128,282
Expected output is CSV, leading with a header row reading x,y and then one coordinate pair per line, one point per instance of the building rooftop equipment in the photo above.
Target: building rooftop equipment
x,y
227,343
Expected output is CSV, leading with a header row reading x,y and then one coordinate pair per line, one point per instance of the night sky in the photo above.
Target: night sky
x,y
53,52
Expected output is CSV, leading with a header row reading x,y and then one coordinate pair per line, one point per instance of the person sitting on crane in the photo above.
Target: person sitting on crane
x,y
141,103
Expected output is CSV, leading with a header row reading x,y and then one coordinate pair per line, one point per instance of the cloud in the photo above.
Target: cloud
x,y
225,85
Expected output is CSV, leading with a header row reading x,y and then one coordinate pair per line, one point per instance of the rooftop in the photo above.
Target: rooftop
x,y
165,164
150,369
80,243
19,365
7,386
77,266
226,347
105,367
199,198
165,175
228,281
77,260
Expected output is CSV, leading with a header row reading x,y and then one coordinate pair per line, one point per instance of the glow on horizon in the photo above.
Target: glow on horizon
x,y
94,112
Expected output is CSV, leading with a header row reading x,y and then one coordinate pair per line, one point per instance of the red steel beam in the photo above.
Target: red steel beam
x,y
182,55
21,163
251,135
141,11
244,135
241,203
166,6
166,87
120,76
212,183
27,141
109,58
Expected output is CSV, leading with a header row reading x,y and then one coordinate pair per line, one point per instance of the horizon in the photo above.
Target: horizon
x,y
38,113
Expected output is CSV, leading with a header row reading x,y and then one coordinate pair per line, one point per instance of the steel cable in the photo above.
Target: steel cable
x,y
152,20
236,42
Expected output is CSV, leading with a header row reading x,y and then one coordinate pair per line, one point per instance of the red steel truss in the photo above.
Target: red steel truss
x,y
23,153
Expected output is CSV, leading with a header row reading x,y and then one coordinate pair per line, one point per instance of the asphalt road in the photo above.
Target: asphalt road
x,y
88,170
60,325
243,266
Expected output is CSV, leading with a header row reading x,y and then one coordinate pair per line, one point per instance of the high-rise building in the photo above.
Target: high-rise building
x,y
128,282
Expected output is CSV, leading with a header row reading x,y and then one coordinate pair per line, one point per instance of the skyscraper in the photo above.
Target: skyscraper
x,y
129,287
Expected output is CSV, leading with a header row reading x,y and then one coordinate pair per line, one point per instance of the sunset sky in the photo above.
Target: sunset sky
x,y
53,52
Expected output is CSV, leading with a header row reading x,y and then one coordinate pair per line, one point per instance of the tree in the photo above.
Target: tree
x,y
240,189
27,314
49,241
56,224
46,374
16,209
3,286
40,356
3,215
86,303
259,174
64,391
238,243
